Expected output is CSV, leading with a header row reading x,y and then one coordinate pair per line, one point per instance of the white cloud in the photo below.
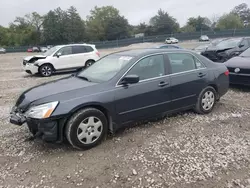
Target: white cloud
x,y
135,11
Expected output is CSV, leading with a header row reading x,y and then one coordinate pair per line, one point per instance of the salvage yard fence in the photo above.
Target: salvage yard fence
x,y
157,38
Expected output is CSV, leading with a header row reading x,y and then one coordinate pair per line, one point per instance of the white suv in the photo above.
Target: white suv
x,y
61,58
171,40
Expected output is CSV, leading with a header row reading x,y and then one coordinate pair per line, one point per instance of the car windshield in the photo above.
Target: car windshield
x,y
246,53
51,51
105,69
230,43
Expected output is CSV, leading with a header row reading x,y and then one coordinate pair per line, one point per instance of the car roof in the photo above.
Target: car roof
x,y
160,45
80,44
148,51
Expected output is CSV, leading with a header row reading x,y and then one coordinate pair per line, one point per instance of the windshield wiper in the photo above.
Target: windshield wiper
x,y
84,78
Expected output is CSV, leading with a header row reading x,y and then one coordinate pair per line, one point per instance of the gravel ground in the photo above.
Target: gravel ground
x,y
183,150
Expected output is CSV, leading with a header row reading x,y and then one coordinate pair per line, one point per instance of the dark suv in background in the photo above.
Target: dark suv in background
x,y
227,49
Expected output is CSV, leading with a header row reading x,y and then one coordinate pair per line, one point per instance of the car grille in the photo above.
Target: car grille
x,y
242,71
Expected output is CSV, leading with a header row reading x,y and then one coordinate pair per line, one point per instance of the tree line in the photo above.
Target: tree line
x,y
106,23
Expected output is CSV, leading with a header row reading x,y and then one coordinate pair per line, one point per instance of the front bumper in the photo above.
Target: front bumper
x,y
50,130
239,79
30,68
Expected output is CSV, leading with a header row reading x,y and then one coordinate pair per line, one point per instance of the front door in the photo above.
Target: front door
x,y
65,60
147,98
188,78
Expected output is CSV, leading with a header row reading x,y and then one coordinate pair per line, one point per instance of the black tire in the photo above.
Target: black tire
x,y
46,70
73,125
89,63
199,107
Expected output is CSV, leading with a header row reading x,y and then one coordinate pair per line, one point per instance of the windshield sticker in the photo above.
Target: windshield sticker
x,y
125,58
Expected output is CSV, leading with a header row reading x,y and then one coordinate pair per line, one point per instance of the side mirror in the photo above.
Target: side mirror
x,y
130,79
58,55
241,45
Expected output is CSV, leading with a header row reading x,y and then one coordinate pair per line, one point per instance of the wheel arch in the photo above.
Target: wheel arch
x,y
216,89
97,106
47,64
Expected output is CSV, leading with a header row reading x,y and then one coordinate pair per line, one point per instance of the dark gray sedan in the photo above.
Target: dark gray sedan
x,y
117,90
239,68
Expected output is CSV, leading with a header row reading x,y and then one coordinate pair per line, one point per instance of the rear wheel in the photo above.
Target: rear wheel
x,y
206,101
89,63
46,70
86,129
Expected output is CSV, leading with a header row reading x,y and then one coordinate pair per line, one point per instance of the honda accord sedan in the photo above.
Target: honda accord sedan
x,y
119,89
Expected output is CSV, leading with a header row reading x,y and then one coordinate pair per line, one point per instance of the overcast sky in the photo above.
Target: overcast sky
x,y
135,11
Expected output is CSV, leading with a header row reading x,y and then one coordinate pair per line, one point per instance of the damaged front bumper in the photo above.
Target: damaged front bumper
x,y
30,68
50,130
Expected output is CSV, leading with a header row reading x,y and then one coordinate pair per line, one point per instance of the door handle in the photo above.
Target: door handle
x,y
201,74
162,84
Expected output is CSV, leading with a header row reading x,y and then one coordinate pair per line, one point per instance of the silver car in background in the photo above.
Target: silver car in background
x,y
2,50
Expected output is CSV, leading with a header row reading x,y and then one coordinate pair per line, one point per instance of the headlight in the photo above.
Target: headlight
x,y
42,111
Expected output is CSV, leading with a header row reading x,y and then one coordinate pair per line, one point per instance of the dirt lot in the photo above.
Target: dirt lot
x,y
184,150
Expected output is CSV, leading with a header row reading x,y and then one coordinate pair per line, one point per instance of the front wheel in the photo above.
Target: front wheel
x,y
46,70
86,128
206,101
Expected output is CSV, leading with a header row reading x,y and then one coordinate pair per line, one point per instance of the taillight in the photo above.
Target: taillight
x,y
97,53
226,73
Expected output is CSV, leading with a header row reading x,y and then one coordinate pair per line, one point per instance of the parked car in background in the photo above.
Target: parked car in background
x,y
171,40
61,58
167,46
49,46
36,49
29,50
227,49
117,90
239,68
44,49
2,50
203,38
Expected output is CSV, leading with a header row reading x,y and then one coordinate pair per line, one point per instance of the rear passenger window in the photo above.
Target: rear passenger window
x,y
79,49
89,49
181,62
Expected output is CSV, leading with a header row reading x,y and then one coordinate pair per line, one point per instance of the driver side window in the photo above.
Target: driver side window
x,y
244,44
149,67
65,51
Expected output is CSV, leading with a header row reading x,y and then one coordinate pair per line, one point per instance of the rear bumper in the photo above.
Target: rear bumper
x,y
239,79
49,130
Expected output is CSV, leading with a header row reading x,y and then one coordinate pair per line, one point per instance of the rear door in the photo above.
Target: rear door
x,y
188,78
80,54
147,98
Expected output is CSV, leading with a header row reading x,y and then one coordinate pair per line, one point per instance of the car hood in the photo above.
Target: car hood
x,y
238,62
34,56
54,90
217,49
